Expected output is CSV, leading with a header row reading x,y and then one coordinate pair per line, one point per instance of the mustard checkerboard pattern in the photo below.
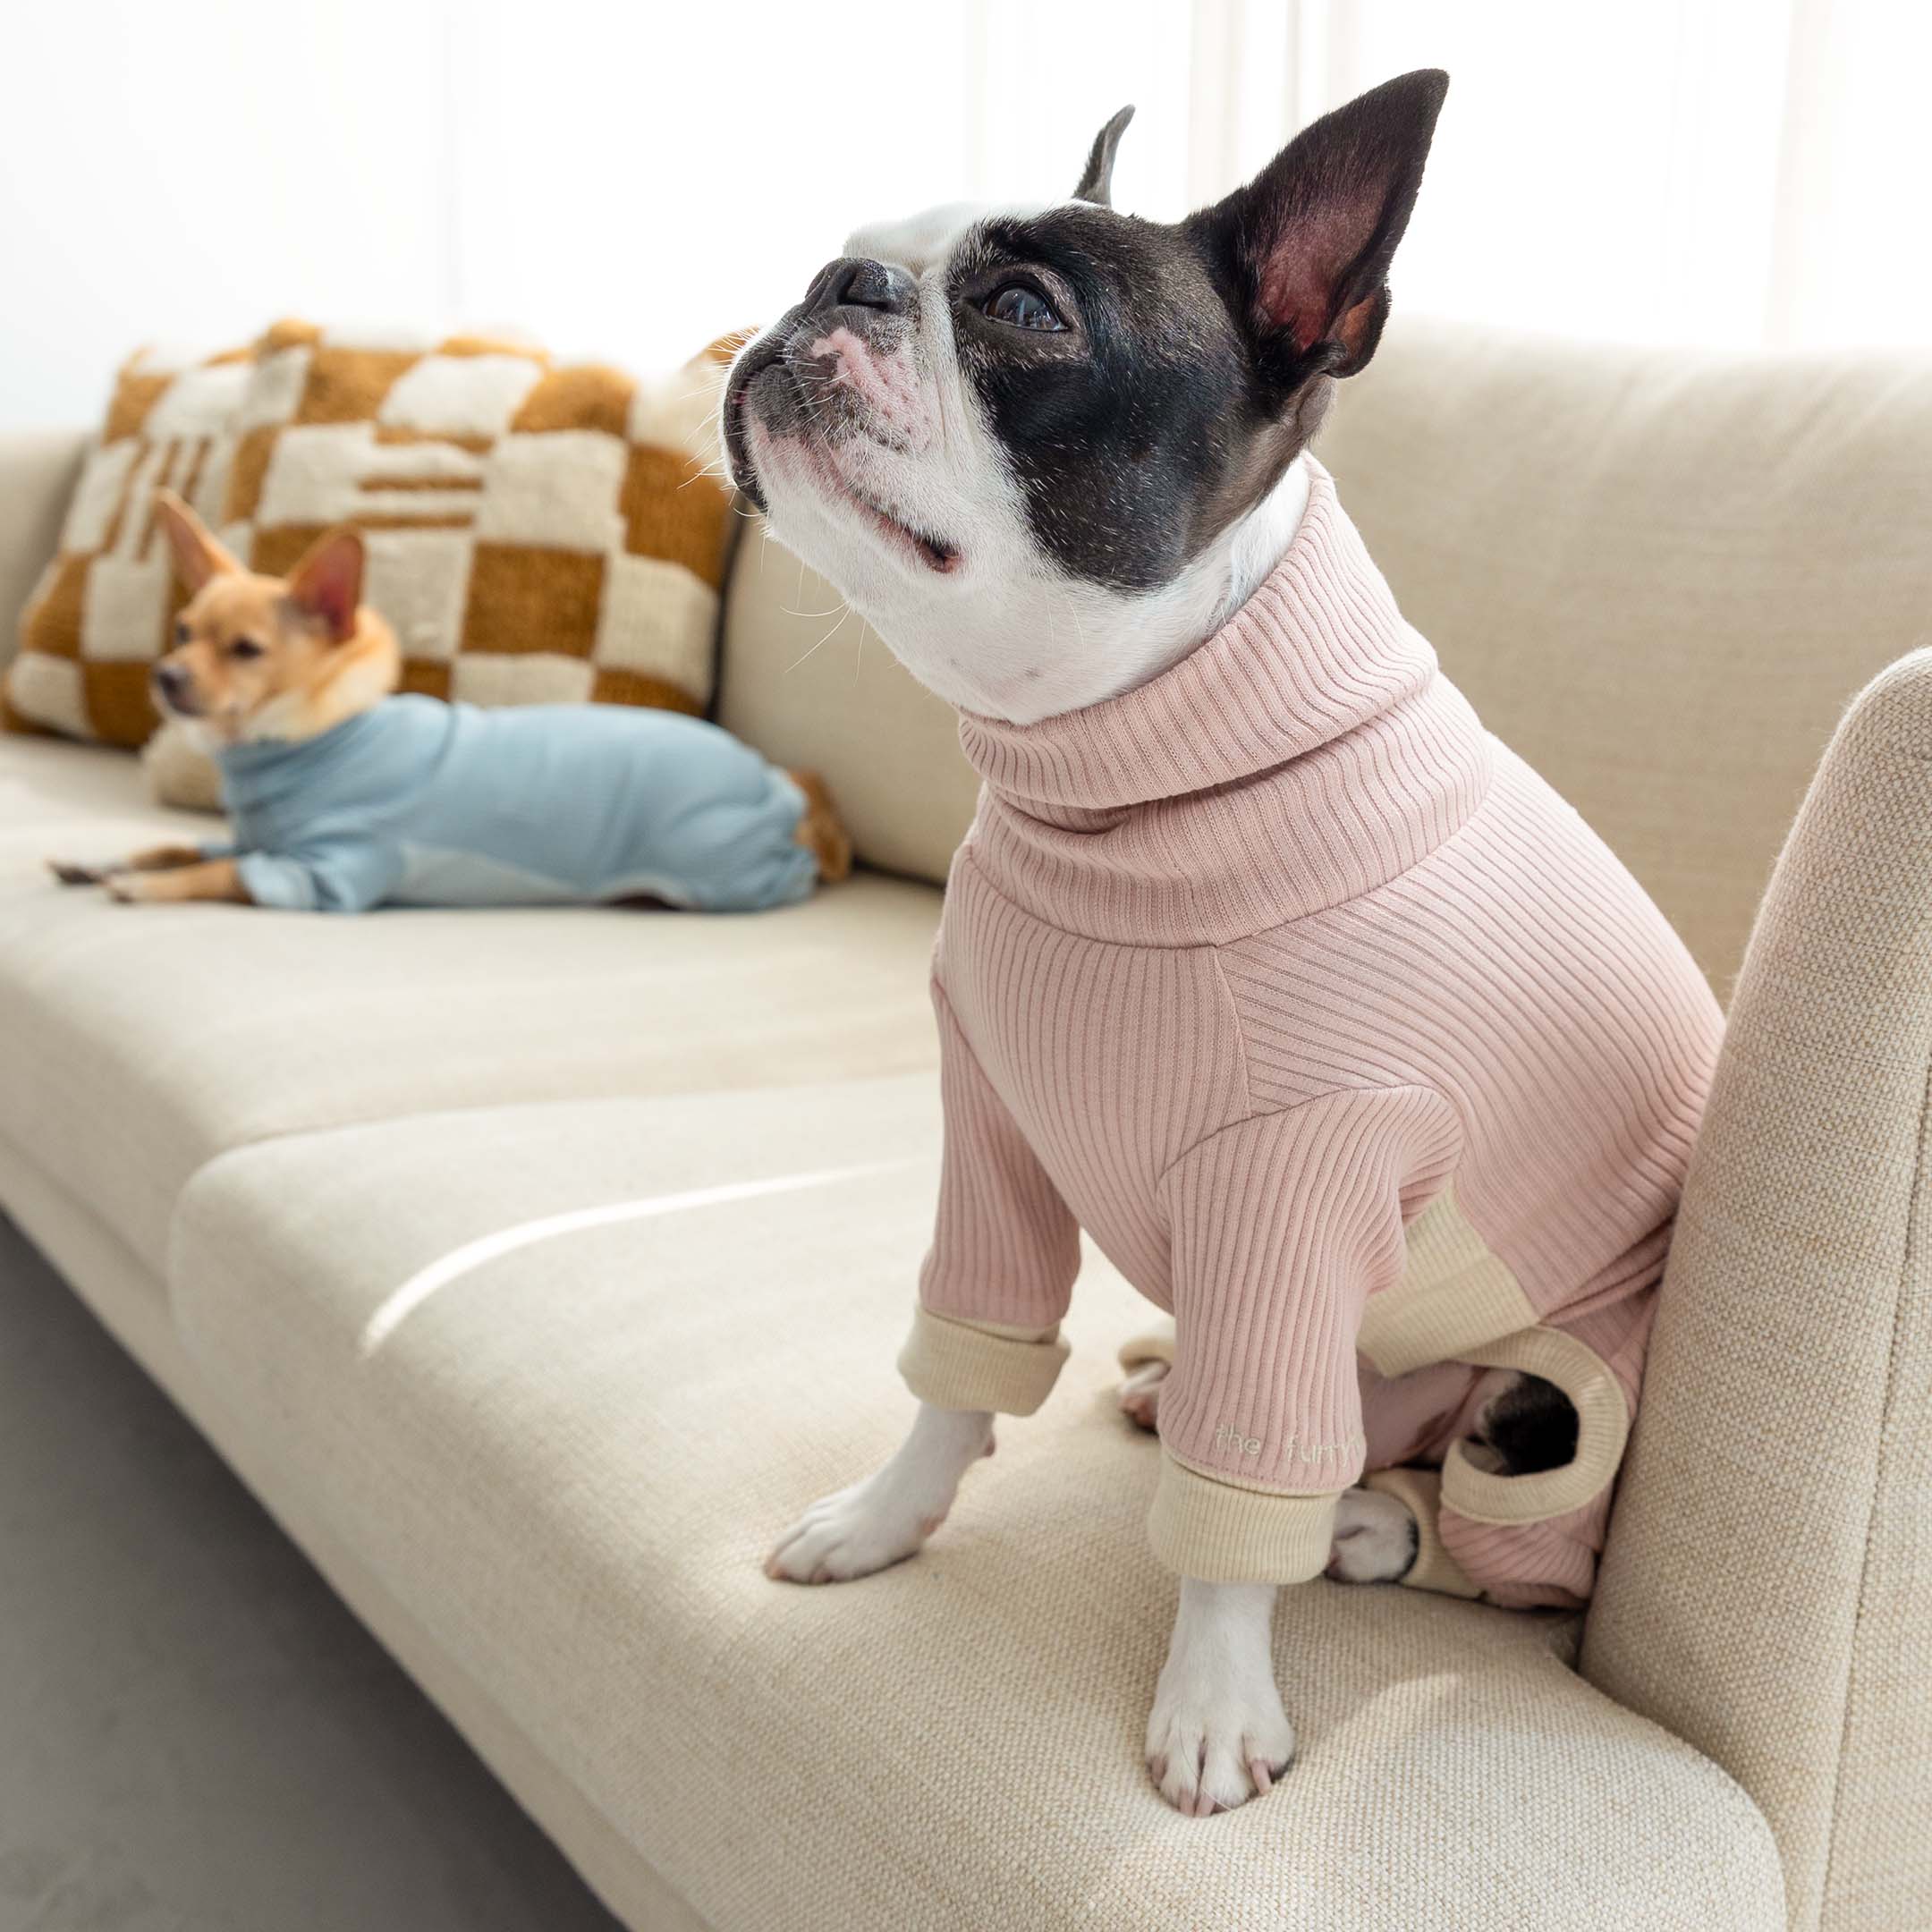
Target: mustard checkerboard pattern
x,y
535,533
103,609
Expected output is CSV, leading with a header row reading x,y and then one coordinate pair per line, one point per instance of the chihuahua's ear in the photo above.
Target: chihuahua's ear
x,y
1310,238
327,585
1097,183
197,555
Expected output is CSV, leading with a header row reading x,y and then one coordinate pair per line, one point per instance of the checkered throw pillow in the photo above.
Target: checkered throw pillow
x,y
103,610
535,533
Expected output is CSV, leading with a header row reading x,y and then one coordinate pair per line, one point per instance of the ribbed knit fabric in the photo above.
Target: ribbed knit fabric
x,y
1241,971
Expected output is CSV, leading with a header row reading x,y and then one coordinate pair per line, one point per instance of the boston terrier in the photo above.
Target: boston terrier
x,y
1051,454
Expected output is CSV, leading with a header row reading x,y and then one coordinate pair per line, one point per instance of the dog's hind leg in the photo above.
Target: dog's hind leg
x,y
1140,1393
1375,1539
1149,1360
1529,1426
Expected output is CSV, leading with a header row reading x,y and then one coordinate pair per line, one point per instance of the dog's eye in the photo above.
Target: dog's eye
x,y
182,633
244,646
1023,308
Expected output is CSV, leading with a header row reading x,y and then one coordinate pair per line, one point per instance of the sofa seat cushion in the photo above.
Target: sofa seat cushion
x,y
560,1374
140,1041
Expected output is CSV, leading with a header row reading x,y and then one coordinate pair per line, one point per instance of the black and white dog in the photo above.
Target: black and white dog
x,y
1046,453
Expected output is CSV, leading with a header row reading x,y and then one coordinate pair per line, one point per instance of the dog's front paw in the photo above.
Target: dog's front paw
x,y
70,874
1375,1538
885,1519
849,1534
1213,1745
1218,1735
132,888
1140,1393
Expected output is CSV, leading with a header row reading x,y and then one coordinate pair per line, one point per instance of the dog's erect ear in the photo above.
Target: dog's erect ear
x,y
1096,184
1310,238
197,555
327,585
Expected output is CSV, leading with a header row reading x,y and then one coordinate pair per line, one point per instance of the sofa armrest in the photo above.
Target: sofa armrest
x,y
1766,1593
38,467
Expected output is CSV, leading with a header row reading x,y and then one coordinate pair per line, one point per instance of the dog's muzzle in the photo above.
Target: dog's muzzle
x,y
853,283
766,353
176,690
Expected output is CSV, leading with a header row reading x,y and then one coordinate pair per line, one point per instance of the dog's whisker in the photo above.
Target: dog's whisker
x,y
823,642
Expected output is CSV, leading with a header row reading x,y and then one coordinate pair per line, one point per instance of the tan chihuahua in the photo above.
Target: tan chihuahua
x,y
346,797
253,657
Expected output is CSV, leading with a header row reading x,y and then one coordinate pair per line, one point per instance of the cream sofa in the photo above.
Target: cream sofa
x,y
534,1267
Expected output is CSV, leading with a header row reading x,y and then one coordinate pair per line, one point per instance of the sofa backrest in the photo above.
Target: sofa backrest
x,y
1659,577
810,685
37,472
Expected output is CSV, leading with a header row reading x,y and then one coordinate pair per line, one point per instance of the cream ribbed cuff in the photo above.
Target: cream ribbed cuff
x,y
1603,1429
1220,1533
956,1364
1420,1492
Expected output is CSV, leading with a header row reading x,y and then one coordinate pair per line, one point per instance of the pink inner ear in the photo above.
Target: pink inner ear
x,y
194,564
330,585
1287,303
1297,288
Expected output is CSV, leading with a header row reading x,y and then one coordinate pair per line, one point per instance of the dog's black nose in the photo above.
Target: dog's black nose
x,y
170,679
857,282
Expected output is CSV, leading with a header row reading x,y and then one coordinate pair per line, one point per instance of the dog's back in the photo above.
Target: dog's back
x,y
416,803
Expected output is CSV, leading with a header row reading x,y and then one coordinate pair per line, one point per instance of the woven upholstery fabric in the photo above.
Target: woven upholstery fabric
x,y
535,533
560,1396
129,1058
102,610
38,470
809,683
1658,577
1768,1587
130,1301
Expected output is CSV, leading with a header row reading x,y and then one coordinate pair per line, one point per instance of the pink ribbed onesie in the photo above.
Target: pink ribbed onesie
x,y
1349,1043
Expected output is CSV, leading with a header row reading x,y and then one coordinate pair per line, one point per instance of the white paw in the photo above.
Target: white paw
x,y
850,1535
1218,1735
1140,1393
131,888
885,1519
1375,1538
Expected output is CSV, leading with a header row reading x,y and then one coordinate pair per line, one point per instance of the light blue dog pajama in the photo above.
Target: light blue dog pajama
x,y
418,803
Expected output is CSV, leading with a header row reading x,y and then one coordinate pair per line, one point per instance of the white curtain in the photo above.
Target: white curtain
x,y
628,179
1744,173
1749,172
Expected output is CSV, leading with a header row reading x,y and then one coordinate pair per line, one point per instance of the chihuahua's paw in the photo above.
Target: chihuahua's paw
x,y
132,888
1140,1393
70,874
1219,1735
1375,1539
